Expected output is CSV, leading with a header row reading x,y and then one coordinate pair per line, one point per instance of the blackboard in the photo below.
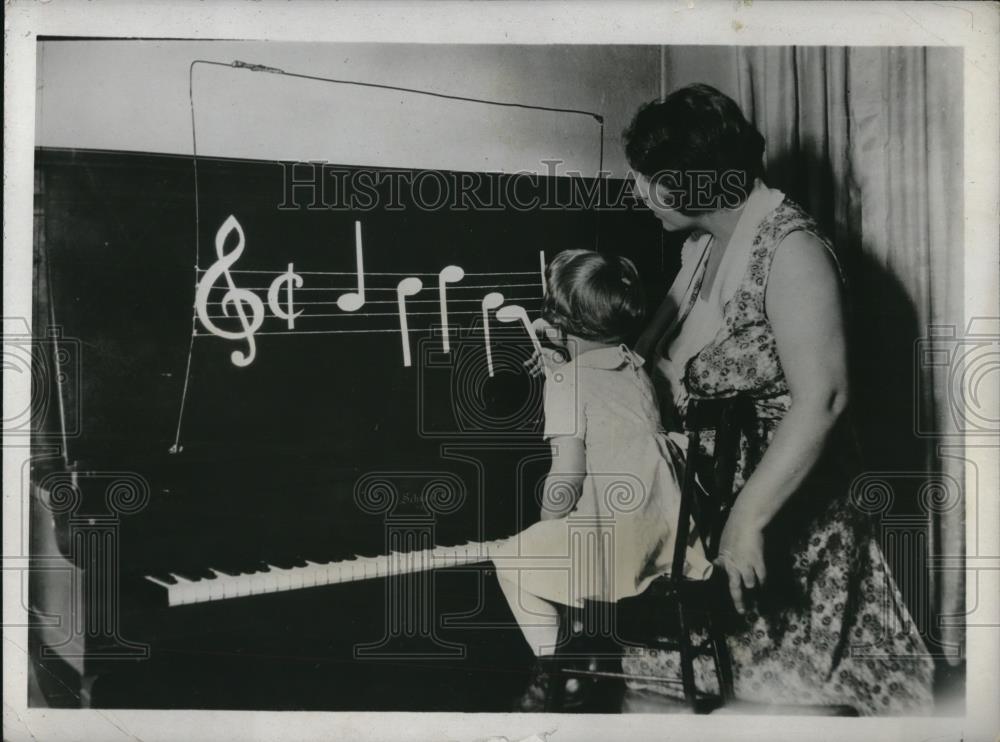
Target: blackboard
x,y
292,436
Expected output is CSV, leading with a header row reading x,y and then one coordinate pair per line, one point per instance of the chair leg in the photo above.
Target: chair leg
x,y
556,697
723,665
687,658
722,660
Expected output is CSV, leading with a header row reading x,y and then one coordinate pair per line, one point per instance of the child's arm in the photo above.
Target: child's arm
x,y
551,356
565,479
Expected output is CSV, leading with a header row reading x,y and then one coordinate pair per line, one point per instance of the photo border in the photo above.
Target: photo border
x,y
973,26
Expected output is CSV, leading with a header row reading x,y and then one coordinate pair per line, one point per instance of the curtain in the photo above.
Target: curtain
x,y
869,141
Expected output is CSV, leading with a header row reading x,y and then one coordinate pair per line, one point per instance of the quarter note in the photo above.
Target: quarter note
x,y
448,274
491,301
513,313
406,287
354,300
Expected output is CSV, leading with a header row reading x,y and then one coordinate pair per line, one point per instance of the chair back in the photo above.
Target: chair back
x,y
707,491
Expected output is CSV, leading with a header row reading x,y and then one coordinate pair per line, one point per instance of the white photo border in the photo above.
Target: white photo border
x,y
972,25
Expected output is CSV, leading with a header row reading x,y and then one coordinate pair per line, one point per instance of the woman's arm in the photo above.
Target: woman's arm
x,y
805,308
656,326
565,479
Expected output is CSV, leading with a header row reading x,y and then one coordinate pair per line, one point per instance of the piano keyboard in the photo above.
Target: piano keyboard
x,y
275,579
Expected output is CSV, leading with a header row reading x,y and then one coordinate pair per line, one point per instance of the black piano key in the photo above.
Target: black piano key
x,y
316,557
194,573
164,577
236,566
227,569
282,561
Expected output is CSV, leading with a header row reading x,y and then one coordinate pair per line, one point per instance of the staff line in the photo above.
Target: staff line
x,y
372,273
451,287
327,332
362,314
409,301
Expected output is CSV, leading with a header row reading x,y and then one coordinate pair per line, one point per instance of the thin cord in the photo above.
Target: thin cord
x,y
50,300
600,178
274,70
176,447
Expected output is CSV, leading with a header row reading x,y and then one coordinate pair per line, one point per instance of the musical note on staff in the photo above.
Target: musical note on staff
x,y
448,274
513,313
353,301
406,287
288,298
234,297
291,281
491,301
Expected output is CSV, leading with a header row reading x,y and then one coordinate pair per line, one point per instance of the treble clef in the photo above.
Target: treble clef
x,y
234,297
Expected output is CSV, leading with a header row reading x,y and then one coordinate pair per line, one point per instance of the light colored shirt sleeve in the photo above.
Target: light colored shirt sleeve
x,y
564,404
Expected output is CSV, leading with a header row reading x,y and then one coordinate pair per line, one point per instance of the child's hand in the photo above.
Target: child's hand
x,y
550,357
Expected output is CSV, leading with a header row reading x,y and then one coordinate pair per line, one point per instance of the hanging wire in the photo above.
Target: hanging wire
x,y
238,64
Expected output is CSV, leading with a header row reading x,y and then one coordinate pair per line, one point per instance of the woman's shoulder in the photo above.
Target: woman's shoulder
x,y
804,258
788,219
791,241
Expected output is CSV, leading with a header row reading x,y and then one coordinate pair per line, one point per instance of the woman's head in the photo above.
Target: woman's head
x,y
693,152
593,296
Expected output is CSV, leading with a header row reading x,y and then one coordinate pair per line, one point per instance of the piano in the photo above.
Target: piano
x,y
310,530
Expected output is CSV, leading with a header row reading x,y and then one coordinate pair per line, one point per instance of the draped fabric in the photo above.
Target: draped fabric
x,y
869,141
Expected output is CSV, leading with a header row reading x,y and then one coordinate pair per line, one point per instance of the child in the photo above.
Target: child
x,y
610,500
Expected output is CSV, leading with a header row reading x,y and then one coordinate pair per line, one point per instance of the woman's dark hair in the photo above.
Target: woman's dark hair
x,y
593,296
696,143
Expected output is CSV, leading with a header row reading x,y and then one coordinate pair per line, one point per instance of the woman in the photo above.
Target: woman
x,y
757,310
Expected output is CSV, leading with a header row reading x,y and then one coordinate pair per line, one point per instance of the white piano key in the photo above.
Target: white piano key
x,y
282,578
258,583
202,590
330,573
241,586
313,571
182,589
218,588
223,586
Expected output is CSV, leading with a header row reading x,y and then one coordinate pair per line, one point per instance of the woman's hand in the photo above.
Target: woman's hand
x,y
741,554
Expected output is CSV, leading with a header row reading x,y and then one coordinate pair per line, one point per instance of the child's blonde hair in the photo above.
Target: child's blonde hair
x,y
593,296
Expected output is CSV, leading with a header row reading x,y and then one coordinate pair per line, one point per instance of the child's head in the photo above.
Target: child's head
x,y
593,296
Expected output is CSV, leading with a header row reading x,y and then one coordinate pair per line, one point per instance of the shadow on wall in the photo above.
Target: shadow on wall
x,y
883,329
882,319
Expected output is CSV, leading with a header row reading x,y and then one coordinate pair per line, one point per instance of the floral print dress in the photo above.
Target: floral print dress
x,y
830,626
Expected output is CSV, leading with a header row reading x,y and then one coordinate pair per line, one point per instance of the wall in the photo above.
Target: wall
x,y
133,95
713,65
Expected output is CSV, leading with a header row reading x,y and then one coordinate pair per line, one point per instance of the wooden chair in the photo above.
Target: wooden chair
x,y
674,613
